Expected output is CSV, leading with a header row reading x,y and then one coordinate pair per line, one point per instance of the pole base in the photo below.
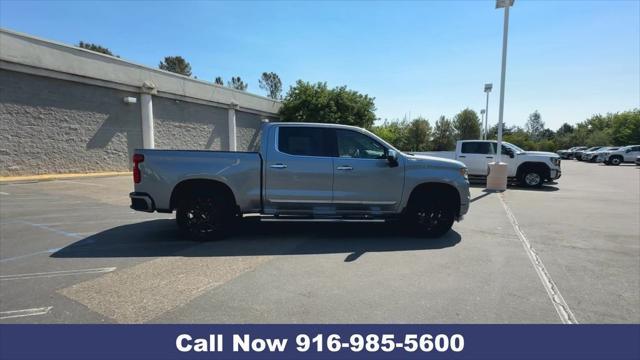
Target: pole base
x,y
497,178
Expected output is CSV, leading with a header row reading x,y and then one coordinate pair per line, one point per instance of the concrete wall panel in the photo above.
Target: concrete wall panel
x,y
56,126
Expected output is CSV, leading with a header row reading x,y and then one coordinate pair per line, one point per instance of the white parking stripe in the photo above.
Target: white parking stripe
x,y
80,183
45,227
49,251
57,273
3,193
25,312
563,310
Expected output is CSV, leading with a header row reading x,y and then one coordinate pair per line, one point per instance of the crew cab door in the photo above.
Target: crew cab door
x,y
477,155
298,169
363,178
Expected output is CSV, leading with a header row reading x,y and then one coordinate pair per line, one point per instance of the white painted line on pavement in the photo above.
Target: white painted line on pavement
x,y
45,227
80,182
49,251
57,273
563,310
25,312
3,193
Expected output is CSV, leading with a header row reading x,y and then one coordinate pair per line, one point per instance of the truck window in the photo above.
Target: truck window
x,y
353,144
305,141
479,147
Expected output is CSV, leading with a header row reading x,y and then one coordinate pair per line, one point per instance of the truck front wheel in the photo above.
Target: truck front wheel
x,y
615,160
203,217
531,178
431,216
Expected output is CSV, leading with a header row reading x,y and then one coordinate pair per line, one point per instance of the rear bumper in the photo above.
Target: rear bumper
x,y
142,202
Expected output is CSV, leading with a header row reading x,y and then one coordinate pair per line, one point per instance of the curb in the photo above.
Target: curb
x,y
49,177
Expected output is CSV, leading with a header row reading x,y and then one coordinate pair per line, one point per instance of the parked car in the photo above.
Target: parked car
x,y
638,160
570,153
302,169
529,168
578,154
623,154
592,156
600,154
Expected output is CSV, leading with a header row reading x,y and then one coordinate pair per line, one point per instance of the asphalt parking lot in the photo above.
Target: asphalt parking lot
x,y
71,251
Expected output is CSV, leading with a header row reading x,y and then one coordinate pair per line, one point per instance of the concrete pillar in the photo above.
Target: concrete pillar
x,y
147,121
146,107
232,126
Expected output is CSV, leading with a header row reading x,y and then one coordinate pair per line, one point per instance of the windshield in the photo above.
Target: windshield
x,y
517,149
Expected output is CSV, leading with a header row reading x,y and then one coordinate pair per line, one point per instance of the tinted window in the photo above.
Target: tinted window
x,y
356,145
307,141
477,148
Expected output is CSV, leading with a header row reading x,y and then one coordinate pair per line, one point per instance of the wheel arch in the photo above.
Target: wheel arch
x,y
442,189
190,186
534,165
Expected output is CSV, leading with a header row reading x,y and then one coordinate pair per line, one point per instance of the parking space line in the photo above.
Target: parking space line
x,y
25,312
45,227
563,310
49,251
80,183
3,193
57,273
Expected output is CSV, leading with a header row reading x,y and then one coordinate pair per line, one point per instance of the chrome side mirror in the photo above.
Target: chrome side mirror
x,y
392,158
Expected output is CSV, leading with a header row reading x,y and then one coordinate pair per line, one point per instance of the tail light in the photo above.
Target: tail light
x,y
137,175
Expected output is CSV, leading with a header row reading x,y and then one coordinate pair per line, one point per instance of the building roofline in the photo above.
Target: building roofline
x,y
8,50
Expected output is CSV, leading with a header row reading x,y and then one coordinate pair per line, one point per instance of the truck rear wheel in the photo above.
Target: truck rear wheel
x,y
204,216
431,216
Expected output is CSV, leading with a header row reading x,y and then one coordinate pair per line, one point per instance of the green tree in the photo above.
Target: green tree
x,y
419,135
394,132
625,128
272,84
317,103
535,126
237,83
467,125
96,48
176,64
565,129
218,81
444,135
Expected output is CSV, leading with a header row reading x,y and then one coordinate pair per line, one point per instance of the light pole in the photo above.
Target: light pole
x,y
497,179
487,89
484,135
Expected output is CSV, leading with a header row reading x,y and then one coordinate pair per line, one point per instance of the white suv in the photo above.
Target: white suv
x,y
624,154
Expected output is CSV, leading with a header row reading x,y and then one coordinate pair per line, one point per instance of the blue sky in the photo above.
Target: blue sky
x,y
566,59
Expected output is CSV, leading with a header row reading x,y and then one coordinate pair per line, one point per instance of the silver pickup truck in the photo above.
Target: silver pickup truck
x,y
302,170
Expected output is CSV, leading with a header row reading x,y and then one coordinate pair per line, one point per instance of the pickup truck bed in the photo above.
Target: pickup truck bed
x,y
164,169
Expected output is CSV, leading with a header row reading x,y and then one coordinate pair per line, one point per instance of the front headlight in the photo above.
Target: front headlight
x,y
464,173
555,161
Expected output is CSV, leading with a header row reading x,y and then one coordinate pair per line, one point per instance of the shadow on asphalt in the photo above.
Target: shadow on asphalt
x,y
157,238
547,187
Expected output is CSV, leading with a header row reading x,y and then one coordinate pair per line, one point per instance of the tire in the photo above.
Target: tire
x,y
204,216
430,216
531,178
615,160
606,162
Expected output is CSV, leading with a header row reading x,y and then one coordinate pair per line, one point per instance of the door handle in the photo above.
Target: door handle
x,y
489,157
278,166
344,167
462,156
